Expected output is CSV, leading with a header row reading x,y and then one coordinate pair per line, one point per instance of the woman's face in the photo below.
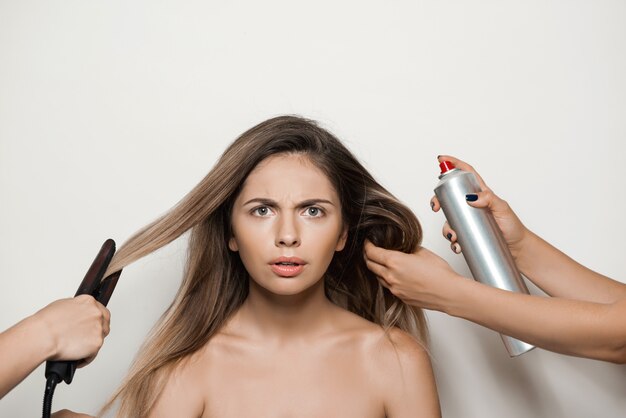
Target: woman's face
x,y
287,224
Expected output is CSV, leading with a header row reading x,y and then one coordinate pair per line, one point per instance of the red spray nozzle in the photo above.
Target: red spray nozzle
x,y
446,166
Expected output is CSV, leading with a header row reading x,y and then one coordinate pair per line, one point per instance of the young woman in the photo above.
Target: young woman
x,y
277,314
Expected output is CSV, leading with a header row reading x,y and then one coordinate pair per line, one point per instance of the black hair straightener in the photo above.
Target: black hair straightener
x,y
101,290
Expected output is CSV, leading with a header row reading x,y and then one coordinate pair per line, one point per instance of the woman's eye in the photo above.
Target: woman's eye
x,y
261,211
314,212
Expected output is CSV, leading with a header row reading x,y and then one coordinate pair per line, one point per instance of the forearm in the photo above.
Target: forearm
x,y
559,275
577,328
23,347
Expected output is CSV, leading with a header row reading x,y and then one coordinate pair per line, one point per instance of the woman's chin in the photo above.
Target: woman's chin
x,y
287,286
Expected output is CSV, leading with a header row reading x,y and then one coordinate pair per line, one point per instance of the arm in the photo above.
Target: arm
x,y
586,318
579,328
406,376
559,275
67,329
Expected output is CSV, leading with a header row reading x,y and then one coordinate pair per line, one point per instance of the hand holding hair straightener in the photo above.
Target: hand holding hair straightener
x,y
101,290
585,317
66,334
66,329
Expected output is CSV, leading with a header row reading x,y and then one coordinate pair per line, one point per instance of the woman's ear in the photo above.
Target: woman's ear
x,y
342,239
232,244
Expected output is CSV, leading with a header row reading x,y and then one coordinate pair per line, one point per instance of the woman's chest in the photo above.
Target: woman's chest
x,y
303,385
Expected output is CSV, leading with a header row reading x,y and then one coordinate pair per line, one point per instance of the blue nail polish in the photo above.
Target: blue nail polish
x,y
471,197
449,236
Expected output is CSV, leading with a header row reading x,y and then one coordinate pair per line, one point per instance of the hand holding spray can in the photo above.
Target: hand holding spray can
x,y
481,240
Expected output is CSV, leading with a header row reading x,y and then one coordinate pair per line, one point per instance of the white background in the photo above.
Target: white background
x,y
110,111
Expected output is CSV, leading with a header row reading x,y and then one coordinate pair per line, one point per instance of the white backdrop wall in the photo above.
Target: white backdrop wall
x,y
110,111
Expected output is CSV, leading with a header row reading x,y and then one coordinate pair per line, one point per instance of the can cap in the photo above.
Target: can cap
x,y
446,166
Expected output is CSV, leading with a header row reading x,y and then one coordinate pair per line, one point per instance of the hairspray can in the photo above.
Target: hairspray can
x,y
482,243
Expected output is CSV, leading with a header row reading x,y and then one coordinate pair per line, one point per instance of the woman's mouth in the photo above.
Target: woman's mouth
x,y
287,266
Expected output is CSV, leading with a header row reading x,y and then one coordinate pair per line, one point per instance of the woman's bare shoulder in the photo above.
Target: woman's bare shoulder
x,y
404,374
181,395
376,339
398,365
394,349
391,348
186,385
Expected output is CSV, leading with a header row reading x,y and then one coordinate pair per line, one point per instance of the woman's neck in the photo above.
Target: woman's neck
x,y
282,318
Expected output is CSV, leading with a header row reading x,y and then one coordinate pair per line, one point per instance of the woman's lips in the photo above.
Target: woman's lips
x,y
287,266
287,270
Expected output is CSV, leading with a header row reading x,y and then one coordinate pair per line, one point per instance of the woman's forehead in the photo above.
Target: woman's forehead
x,y
288,175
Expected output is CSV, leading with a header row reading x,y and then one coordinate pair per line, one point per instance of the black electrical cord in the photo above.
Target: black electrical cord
x,y
51,383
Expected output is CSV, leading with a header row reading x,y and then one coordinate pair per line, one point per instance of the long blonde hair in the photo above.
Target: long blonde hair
x,y
215,282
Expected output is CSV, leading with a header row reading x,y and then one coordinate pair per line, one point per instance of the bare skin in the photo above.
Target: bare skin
x,y
288,351
586,315
348,368
67,329
66,413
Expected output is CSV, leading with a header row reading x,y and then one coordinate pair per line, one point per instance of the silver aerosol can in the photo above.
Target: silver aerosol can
x,y
481,240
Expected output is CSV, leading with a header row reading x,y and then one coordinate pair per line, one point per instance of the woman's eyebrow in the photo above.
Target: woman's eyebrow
x,y
273,203
261,200
311,202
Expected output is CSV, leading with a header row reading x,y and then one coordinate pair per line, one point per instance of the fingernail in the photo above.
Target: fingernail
x,y
449,236
439,156
432,205
456,248
471,197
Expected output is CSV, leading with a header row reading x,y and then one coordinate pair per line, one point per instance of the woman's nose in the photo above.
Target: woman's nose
x,y
287,234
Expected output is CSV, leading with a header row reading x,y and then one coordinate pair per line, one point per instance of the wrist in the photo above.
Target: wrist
x,y
454,299
523,253
471,301
518,248
40,335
